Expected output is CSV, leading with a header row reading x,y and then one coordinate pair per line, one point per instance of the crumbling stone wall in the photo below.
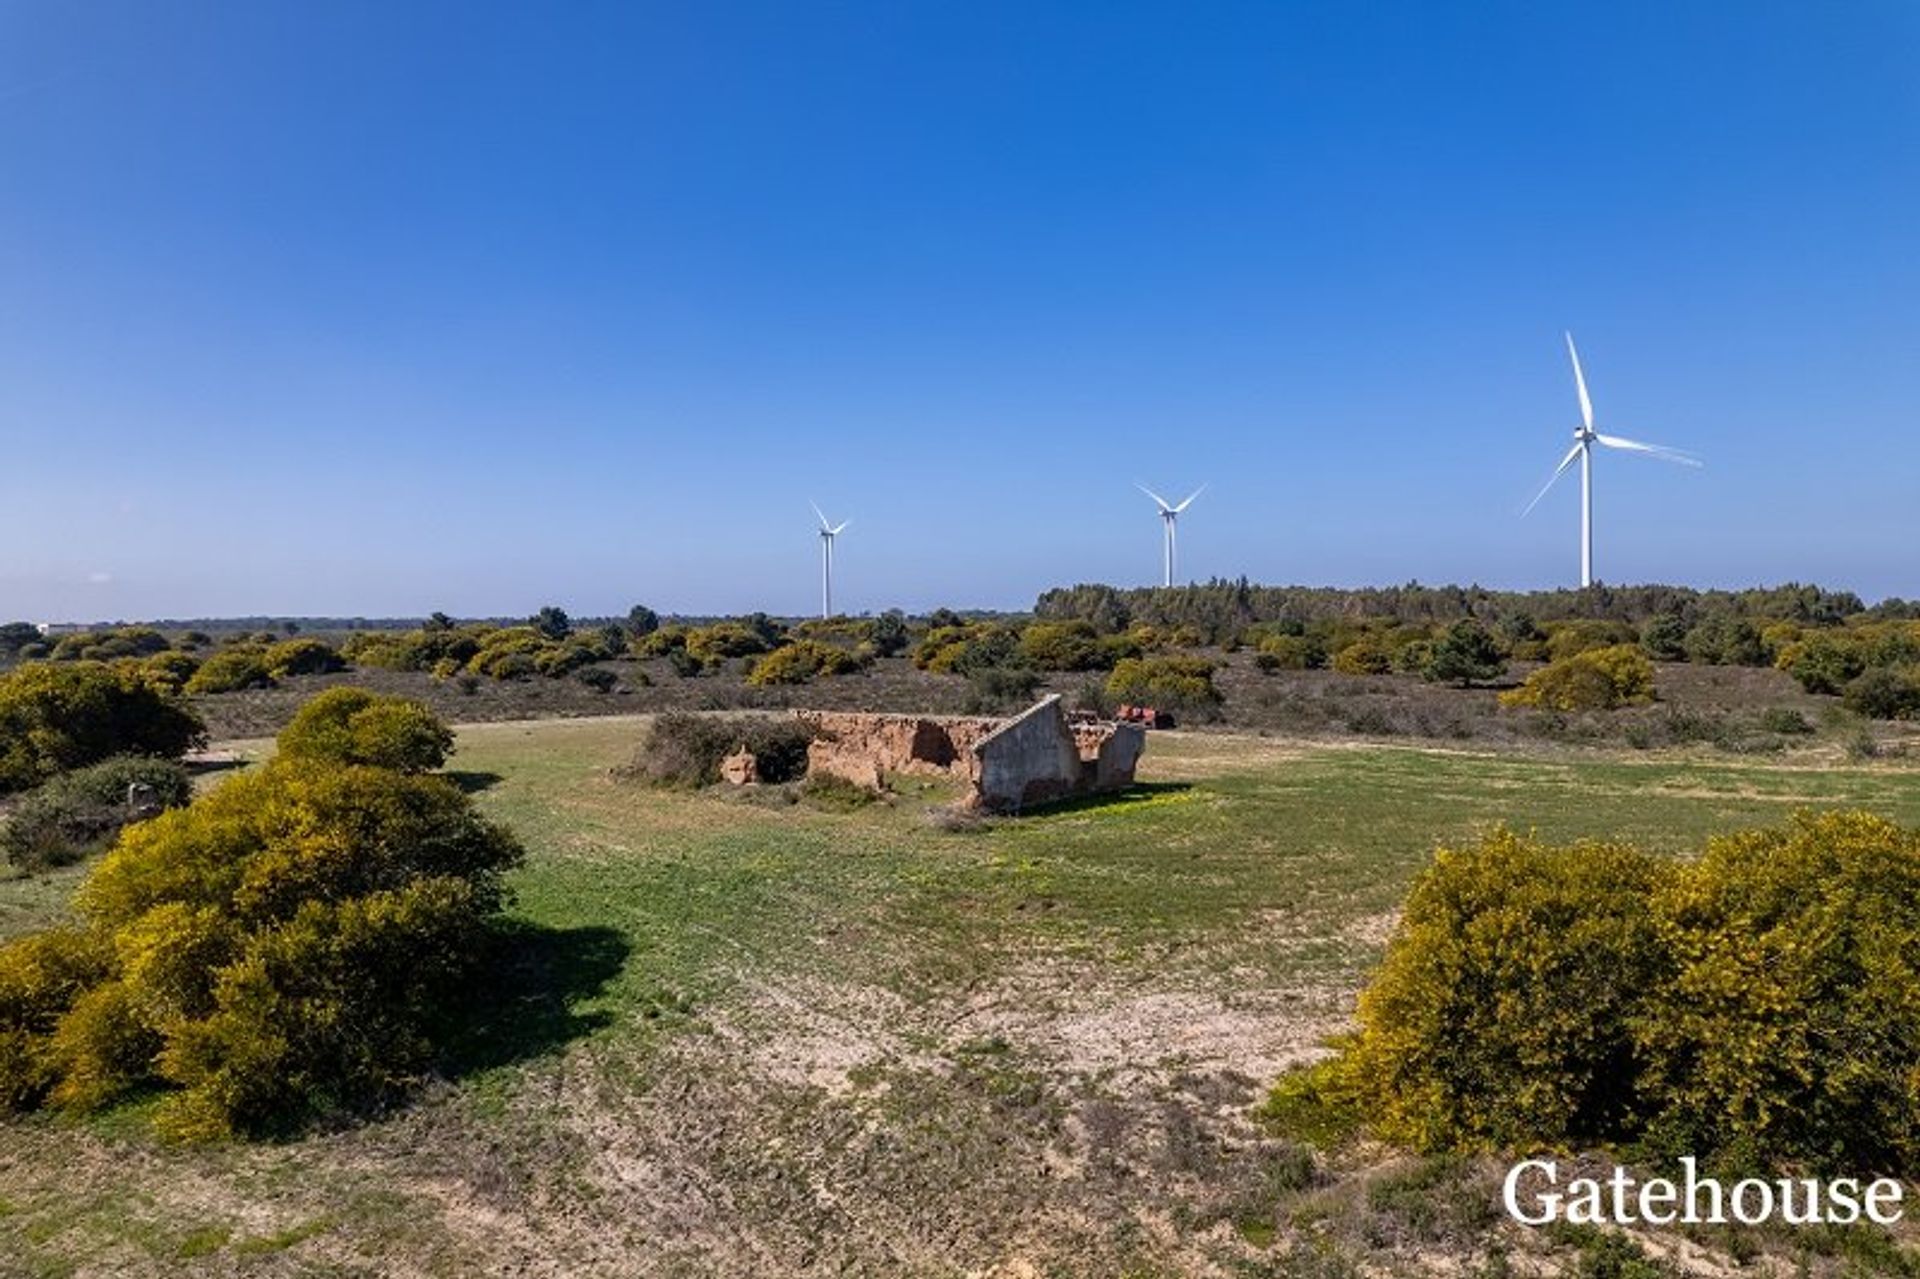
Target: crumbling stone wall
x,y
1033,758
863,748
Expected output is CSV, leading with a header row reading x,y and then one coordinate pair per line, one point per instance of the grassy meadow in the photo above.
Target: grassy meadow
x,y
747,1035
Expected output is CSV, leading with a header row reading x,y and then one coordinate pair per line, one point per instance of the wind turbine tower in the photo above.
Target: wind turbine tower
x,y
828,531
1170,518
1584,439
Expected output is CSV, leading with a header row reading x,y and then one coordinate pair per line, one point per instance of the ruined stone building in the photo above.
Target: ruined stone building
x,y
1035,757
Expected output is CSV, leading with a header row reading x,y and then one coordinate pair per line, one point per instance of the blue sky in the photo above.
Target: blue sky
x,y
380,308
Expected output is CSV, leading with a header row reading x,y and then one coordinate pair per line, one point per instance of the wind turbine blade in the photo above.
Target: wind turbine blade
x,y
1660,451
1196,493
1565,462
1160,501
1580,381
823,518
836,531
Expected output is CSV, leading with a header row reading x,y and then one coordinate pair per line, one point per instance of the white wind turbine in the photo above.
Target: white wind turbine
x,y
1584,438
1170,516
828,531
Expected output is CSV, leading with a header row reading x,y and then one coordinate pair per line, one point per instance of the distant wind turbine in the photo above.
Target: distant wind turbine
x,y
828,531
1584,438
1170,516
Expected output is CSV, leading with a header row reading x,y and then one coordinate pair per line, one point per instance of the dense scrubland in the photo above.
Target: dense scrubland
x,y
1285,1008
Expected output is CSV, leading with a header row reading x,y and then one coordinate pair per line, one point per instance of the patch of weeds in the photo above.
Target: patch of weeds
x,y
281,1240
1607,1254
203,1242
1303,1107
1438,1199
836,794
1862,746
1786,721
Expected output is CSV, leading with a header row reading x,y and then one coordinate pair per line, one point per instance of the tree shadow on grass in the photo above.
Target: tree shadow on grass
x,y
525,1004
472,781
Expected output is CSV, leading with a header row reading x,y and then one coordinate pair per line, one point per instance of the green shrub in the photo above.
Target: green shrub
x,y
1884,693
1064,646
1792,1028
1291,653
354,726
169,672
1566,639
1502,1012
801,660
41,975
552,622
1664,637
597,678
1725,641
55,718
1167,683
231,670
681,749
1465,654
1368,655
1786,721
79,812
1591,680
1822,663
714,644
998,690
1760,1005
282,947
302,657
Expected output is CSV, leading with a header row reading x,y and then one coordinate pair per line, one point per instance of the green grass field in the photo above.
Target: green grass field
x,y
752,1036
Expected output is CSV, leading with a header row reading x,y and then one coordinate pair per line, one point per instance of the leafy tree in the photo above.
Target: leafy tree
x,y
1665,637
642,620
1721,640
1465,654
15,636
438,622
889,635
552,622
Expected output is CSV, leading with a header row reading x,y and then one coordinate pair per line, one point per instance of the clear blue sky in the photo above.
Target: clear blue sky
x,y
387,307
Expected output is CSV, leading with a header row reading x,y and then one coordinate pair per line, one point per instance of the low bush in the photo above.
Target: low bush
x,y
1367,655
681,749
80,812
1725,641
55,718
999,690
1882,692
1064,646
285,946
1759,1005
1465,654
169,672
597,678
1822,663
1502,1012
354,726
1183,684
1291,653
802,660
231,670
1591,680
302,657
1791,1027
